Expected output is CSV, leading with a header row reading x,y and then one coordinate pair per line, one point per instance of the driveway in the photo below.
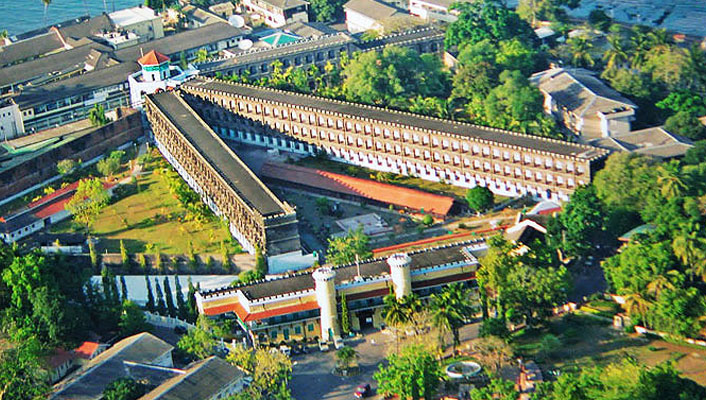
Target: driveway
x,y
312,378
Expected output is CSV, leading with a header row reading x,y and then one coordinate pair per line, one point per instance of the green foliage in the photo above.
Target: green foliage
x,y
160,306
598,19
108,166
625,380
414,374
696,154
514,105
498,389
132,320
345,319
191,303
88,201
97,115
250,275
270,371
198,342
65,166
202,55
345,356
124,389
345,250
581,222
686,124
260,263
391,77
124,256
181,305
545,10
21,374
151,306
327,10
479,198
487,19
428,220
450,309
549,345
170,299
494,327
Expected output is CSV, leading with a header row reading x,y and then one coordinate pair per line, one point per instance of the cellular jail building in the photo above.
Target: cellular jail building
x,y
256,217
457,153
307,305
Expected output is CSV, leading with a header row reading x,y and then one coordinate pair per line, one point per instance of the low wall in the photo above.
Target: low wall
x,y
642,331
166,322
91,145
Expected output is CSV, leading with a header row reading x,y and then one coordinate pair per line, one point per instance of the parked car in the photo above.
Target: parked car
x,y
362,391
323,346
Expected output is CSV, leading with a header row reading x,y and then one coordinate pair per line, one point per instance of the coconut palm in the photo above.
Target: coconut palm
x,y
395,313
580,48
661,282
696,65
617,54
444,315
690,247
670,180
658,38
637,304
640,44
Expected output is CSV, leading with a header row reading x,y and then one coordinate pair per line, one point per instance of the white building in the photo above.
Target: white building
x,y
11,125
583,103
156,74
142,21
365,15
431,10
277,13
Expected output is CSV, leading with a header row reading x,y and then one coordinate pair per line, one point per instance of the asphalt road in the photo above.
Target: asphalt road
x,y
312,377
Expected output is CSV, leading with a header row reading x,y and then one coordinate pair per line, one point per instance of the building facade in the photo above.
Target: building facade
x,y
11,125
141,21
277,13
307,305
256,217
461,154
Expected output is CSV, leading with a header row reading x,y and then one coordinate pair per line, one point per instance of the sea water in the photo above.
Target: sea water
x,y
18,16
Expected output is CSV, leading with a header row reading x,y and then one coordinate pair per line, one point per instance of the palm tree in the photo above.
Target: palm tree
x,y
662,282
690,247
696,65
580,48
345,356
444,315
395,313
97,115
640,46
616,55
658,38
670,180
636,303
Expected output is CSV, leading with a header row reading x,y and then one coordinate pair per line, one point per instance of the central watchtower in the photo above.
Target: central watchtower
x,y
400,264
325,289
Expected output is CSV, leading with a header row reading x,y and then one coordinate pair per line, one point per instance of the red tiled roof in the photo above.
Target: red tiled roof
x,y
52,196
247,317
153,58
57,205
86,350
390,194
59,357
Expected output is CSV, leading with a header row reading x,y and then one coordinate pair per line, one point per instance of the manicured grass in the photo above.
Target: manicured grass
x,y
150,220
587,342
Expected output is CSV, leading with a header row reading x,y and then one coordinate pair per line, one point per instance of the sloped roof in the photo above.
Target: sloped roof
x,y
371,8
201,381
153,57
655,141
369,189
108,366
580,92
30,48
86,350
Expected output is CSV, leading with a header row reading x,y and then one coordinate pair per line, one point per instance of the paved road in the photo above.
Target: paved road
x,y
312,378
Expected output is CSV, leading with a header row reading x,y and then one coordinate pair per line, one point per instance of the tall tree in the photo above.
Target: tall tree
x,y
21,374
191,302
413,374
486,19
161,307
616,55
151,307
345,250
182,310
124,256
345,319
88,201
169,297
580,49
132,320
123,288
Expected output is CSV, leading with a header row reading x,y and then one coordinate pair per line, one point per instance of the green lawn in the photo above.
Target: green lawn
x,y
151,219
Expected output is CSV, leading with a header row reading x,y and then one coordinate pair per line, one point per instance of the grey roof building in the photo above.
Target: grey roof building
x,y
207,379
91,380
655,141
583,103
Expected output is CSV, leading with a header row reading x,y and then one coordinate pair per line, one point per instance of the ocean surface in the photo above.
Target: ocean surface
x,y
18,16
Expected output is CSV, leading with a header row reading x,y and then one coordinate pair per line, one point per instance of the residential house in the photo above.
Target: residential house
x,y
209,379
583,103
656,142
89,382
141,20
197,17
365,15
277,13
58,364
433,10
223,10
